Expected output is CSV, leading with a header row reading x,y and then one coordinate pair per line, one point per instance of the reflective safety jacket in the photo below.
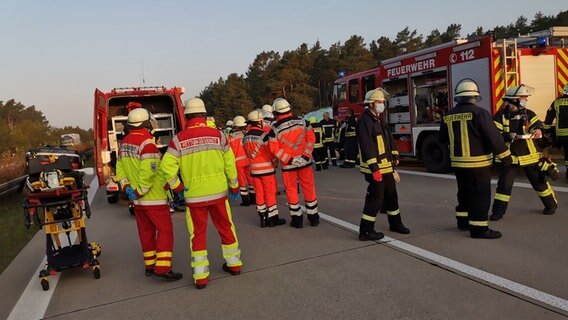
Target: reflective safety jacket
x,y
351,127
472,137
558,110
523,122
205,161
318,133
138,164
255,145
375,143
235,141
329,127
291,137
266,125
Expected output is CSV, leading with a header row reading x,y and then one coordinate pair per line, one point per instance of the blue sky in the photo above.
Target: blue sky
x,y
55,53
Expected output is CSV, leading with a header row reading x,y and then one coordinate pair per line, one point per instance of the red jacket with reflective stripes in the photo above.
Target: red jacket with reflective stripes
x,y
255,143
235,141
291,137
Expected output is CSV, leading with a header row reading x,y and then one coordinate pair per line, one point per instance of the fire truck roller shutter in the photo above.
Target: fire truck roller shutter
x,y
539,72
478,71
434,154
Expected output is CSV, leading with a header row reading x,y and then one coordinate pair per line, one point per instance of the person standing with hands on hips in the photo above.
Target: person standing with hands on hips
x,y
204,159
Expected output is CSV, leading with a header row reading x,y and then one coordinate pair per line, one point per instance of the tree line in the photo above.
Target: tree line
x,y
22,128
305,75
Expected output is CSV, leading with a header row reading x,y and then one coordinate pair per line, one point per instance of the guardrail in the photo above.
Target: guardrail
x,y
11,185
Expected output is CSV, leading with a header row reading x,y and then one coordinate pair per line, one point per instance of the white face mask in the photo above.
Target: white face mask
x,y
379,107
523,103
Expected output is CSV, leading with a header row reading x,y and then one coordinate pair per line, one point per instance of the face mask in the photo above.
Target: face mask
x,y
523,103
379,107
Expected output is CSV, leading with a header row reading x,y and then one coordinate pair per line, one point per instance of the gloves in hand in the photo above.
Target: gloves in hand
x,y
234,194
377,176
299,161
131,193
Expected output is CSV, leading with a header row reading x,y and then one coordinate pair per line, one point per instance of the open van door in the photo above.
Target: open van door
x,y
100,131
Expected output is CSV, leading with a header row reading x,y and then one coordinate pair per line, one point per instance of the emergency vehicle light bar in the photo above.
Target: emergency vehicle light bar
x,y
157,88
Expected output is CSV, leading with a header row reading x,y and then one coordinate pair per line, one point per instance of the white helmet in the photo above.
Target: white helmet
x,y
229,123
565,91
255,115
137,117
267,115
377,94
267,108
466,88
194,105
280,105
516,92
239,121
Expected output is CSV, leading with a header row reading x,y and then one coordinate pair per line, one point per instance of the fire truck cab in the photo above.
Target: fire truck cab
x,y
110,119
421,85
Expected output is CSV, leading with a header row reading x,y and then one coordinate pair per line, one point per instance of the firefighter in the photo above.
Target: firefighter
x,y
246,186
351,147
472,137
228,127
268,117
520,127
262,170
377,161
291,140
136,169
329,126
559,110
204,159
319,151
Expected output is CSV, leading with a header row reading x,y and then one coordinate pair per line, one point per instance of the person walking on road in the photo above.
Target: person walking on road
x,y
291,141
472,138
136,170
204,159
255,144
377,161
558,112
520,127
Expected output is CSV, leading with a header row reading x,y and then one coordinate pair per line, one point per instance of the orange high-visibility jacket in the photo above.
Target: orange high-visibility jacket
x,y
255,144
235,141
291,137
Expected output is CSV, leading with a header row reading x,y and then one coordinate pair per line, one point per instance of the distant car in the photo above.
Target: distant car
x,y
49,153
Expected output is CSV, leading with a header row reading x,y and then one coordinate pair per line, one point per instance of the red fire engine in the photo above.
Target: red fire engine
x,y
421,82
110,118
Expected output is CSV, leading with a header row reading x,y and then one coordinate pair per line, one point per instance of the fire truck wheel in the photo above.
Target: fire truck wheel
x,y
435,155
112,197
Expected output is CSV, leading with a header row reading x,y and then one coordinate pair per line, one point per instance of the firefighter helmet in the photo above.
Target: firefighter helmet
x,y
466,88
255,115
268,115
229,123
281,106
379,94
133,105
313,120
267,108
239,121
516,92
194,105
137,117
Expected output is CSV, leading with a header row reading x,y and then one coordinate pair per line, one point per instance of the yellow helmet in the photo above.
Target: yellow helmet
x,y
466,88
377,94
194,105
138,116
239,121
313,120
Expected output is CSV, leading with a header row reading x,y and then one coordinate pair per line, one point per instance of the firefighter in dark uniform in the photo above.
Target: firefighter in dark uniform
x,y
329,126
519,127
559,110
351,147
319,151
377,161
472,137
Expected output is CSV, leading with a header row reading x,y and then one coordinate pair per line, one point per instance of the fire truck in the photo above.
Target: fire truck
x,y
421,83
110,119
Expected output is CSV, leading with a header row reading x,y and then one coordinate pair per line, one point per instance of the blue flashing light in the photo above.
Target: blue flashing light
x,y
341,74
541,41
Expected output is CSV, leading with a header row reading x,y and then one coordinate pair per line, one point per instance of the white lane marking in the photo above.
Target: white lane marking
x,y
452,177
469,271
34,301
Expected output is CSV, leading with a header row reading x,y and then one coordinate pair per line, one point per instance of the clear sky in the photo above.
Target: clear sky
x,y
53,54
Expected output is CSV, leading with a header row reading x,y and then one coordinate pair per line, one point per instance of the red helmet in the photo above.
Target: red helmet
x,y
133,105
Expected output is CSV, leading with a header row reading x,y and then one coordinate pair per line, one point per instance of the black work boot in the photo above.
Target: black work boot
x,y
234,271
263,219
314,219
325,165
499,209
463,223
252,198
367,232
275,221
170,276
334,163
396,225
245,201
297,222
550,205
484,233
318,167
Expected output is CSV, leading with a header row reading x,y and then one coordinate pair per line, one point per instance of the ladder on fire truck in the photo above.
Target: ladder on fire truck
x,y
510,65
